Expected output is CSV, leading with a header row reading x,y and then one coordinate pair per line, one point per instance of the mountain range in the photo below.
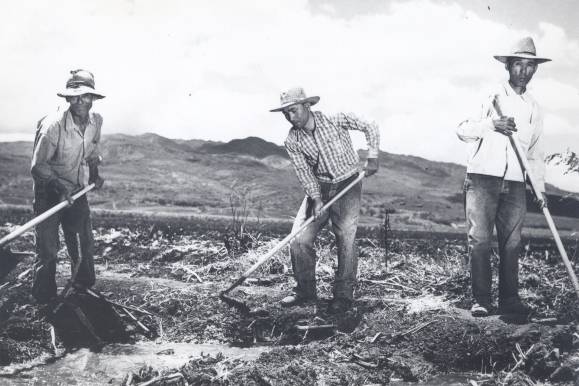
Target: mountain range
x,y
153,173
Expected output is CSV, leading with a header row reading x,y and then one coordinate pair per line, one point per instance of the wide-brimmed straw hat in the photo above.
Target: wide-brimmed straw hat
x,y
81,82
295,96
524,49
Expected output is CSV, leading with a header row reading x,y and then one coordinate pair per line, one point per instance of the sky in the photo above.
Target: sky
x,y
213,69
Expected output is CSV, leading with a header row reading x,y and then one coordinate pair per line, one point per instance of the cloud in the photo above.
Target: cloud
x,y
555,95
556,175
555,44
212,69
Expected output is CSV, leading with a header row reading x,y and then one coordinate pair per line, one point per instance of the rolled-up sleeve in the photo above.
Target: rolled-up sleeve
x,y
44,149
95,152
349,121
473,129
303,170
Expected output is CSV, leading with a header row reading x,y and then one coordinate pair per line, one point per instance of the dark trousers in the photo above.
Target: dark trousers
x,y
77,230
344,215
489,202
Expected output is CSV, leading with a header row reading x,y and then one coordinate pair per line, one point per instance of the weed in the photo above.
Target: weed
x,y
238,239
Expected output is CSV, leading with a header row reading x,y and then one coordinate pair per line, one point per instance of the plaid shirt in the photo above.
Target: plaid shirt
x,y
326,154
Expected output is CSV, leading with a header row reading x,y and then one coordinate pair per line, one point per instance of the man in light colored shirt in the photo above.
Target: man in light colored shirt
x,y
65,142
495,183
325,162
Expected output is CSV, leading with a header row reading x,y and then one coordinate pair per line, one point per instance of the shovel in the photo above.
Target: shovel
x,y
525,167
239,304
9,259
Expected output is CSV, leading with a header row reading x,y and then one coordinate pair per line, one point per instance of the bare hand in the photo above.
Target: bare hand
x,y
58,187
68,198
98,182
372,166
317,209
505,125
542,201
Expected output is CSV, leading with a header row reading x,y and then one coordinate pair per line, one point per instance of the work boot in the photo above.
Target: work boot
x,y
514,306
295,300
339,306
46,303
480,309
80,287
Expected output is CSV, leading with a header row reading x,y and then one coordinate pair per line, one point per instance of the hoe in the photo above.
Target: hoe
x,y
240,304
525,167
9,259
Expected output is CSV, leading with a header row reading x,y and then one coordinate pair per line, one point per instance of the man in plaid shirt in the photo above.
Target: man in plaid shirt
x,y
325,162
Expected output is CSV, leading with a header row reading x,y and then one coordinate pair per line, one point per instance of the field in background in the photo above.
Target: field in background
x,y
151,173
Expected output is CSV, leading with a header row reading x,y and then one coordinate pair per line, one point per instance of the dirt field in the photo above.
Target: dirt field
x,y
410,322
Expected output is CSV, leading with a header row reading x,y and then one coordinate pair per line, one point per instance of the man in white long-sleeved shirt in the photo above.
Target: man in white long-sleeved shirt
x,y
495,183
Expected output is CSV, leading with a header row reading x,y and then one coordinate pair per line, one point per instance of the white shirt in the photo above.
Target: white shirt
x,y
491,152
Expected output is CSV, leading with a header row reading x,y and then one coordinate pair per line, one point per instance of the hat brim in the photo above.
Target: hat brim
x,y
505,58
80,91
311,100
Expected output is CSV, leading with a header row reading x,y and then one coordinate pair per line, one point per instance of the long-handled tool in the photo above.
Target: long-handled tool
x,y
9,259
281,244
526,169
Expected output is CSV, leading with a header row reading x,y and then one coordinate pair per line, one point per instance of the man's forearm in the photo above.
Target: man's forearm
x,y
470,130
373,140
94,177
312,188
304,173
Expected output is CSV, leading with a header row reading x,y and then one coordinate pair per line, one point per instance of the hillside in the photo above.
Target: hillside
x,y
252,146
152,172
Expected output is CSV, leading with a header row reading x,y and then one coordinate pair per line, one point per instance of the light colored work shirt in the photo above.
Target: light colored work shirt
x,y
61,149
491,152
326,154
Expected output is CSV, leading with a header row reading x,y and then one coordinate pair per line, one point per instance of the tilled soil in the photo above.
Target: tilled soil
x,y
410,321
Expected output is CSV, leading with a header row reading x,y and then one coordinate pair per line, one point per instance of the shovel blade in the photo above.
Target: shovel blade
x,y
8,261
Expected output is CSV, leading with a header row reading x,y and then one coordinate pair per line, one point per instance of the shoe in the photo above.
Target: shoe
x,y
339,306
80,287
513,307
44,300
480,310
295,300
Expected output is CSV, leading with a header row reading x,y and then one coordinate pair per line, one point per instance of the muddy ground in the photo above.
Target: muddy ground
x,y
410,322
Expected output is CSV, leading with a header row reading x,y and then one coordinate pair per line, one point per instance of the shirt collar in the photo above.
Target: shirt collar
x,y
302,132
70,122
510,92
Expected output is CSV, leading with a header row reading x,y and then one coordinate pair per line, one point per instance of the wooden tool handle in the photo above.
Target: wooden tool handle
x,y
292,235
37,220
527,169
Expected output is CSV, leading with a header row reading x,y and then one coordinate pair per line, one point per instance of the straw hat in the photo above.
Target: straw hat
x,y
295,96
81,82
524,49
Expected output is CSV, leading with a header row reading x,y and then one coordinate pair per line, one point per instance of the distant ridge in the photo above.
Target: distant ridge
x,y
154,172
253,146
